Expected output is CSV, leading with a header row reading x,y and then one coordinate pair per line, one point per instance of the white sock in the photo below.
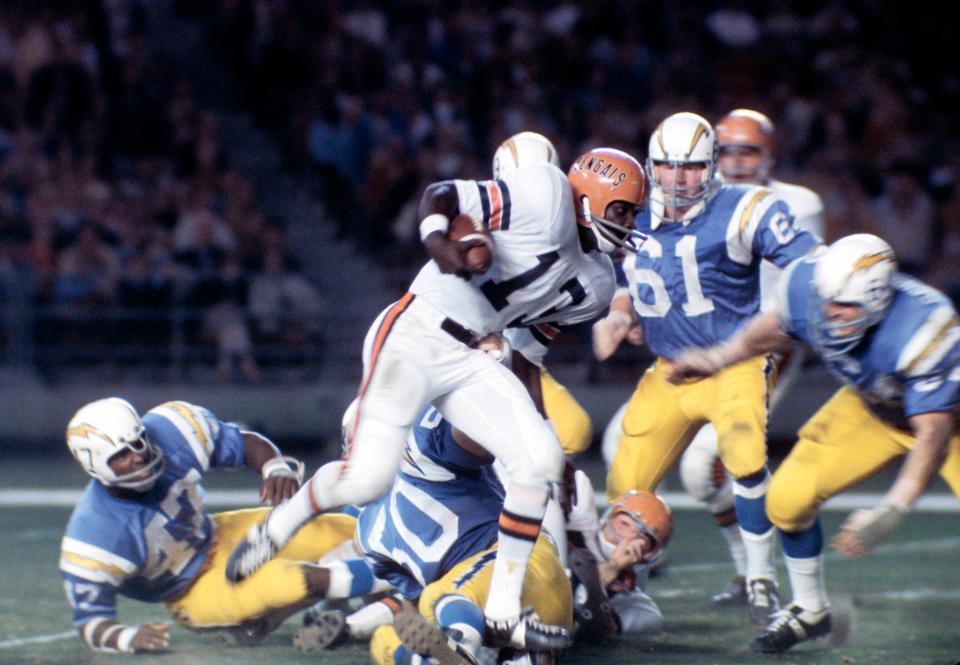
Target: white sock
x,y
807,583
367,619
738,551
523,510
293,513
759,550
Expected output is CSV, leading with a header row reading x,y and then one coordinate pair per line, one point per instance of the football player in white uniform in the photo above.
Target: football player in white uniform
x,y
894,343
551,234
140,530
745,139
696,277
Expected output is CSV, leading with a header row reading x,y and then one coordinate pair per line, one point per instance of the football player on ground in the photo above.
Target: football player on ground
x,y
895,344
433,537
140,529
624,542
746,156
551,235
695,281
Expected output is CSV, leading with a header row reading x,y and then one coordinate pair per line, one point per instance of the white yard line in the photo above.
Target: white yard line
x,y
38,639
9,498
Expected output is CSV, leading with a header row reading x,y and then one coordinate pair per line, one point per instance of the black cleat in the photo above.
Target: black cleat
x,y
428,639
248,634
789,626
251,553
527,632
326,630
763,600
593,614
735,594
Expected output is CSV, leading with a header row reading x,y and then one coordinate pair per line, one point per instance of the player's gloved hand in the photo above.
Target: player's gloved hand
x,y
865,529
282,476
695,364
151,637
609,331
450,255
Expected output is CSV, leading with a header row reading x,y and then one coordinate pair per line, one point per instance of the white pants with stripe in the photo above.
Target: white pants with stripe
x,y
409,362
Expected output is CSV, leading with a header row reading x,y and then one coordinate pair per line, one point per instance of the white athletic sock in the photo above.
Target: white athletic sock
x,y
807,582
556,525
738,551
759,550
289,516
367,619
523,511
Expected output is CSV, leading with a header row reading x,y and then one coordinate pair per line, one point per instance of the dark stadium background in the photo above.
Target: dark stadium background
x,y
167,168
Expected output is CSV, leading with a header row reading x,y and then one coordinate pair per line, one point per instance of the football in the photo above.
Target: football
x,y
465,228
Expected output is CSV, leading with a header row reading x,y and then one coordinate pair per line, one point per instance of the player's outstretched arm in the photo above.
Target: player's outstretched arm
x,y
762,335
865,529
616,326
108,635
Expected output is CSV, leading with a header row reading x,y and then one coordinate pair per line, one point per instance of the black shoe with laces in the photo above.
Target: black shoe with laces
x,y
527,632
790,626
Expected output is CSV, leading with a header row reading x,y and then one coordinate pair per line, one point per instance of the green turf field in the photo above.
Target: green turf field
x,y
904,602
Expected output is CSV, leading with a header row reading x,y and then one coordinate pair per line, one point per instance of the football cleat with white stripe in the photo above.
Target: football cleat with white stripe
x,y
790,626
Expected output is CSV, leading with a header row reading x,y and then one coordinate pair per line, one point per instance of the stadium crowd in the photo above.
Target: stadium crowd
x,y
116,189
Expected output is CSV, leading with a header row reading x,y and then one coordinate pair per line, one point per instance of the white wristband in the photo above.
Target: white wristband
x,y
435,222
125,639
283,466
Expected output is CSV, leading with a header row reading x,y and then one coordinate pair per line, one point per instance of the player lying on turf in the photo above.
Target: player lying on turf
x,y
140,530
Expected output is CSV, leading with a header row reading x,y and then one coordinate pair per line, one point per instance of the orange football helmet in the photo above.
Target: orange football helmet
x,y
745,128
650,514
598,178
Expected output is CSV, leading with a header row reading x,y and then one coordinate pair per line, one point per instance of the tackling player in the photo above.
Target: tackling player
x,y
140,530
694,281
550,268
895,344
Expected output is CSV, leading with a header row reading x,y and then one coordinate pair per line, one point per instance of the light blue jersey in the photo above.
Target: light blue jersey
x,y
907,364
149,546
694,283
443,507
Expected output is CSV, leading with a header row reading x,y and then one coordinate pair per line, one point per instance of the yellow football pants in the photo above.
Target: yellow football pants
x,y
842,444
574,429
212,601
661,420
545,588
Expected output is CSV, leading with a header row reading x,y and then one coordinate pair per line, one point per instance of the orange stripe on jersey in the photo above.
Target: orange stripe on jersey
x,y
385,327
496,204
519,527
548,331
391,604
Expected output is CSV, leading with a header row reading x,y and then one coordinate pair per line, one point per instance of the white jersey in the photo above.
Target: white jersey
x,y
807,209
540,274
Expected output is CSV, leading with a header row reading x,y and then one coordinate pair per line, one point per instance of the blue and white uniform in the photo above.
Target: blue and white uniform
x,y
907,364
154,544
695,282
443,507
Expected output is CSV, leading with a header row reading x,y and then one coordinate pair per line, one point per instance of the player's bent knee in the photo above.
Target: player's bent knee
x,y
697,475
788,506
